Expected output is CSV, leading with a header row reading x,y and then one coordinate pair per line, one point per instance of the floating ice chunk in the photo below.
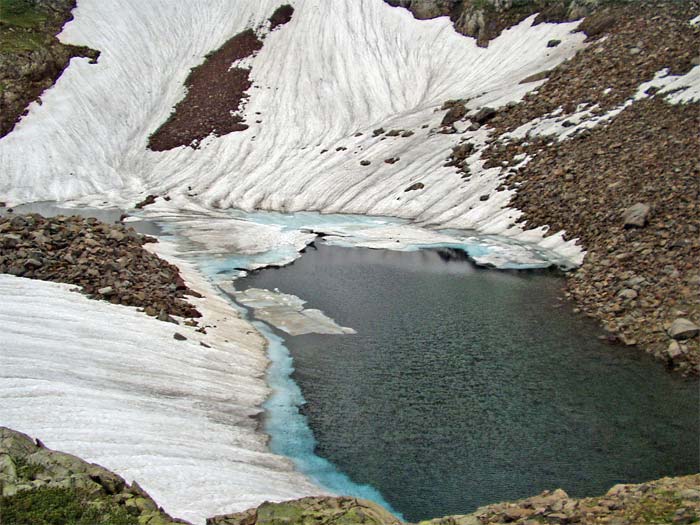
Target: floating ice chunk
x,y
287,313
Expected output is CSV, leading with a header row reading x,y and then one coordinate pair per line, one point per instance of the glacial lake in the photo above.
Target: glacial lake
x,y
465,386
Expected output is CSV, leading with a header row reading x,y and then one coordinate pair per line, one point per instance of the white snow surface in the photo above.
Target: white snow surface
x,y
338,68
114,387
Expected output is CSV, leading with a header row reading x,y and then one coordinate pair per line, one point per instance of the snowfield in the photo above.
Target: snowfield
x,y
113,386
337,69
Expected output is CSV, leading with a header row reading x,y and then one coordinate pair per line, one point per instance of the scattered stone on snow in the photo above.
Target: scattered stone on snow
x,y
414,187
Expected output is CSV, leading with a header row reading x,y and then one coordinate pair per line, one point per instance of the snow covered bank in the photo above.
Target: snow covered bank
x,y
113,386
339,68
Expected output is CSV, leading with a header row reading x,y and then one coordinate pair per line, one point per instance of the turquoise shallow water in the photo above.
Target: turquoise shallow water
x,y
466,386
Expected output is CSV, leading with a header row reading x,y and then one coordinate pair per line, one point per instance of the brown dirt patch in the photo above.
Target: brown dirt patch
x,y
215,92
281,16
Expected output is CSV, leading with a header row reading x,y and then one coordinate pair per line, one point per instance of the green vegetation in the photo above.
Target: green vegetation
x,y
21,14
21,25
61,506
27,470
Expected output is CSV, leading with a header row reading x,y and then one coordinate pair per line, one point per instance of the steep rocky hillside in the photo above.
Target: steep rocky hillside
x,y
603,151
485,19
31,57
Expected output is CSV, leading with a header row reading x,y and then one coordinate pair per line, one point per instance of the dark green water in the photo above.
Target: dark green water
x,y
466,386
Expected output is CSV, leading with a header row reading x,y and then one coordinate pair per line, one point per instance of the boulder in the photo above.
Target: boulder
x,y
674,350
683,329
636,216
628,293
454,114
484,115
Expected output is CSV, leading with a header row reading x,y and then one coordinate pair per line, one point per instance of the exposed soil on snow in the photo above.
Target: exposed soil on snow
x,y
31,57
108,261
216,92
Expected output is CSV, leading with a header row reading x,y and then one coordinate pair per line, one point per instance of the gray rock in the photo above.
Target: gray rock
x,y
628,293
455,113
683,329
179,337
116,235
636,216
33,263
106,291
553,43
690,494
674,350
484,115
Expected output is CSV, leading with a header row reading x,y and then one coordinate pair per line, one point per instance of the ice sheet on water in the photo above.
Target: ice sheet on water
x,y
287,313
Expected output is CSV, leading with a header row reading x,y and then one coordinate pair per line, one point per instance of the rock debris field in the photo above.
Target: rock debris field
x,y
107,261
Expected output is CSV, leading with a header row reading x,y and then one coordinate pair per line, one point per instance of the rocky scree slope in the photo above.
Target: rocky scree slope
x,y
31,57
108,262
616,168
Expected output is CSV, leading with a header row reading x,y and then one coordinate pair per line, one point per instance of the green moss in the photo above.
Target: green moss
x,y
60,506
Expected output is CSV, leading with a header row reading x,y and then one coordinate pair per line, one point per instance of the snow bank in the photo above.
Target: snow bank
x,y
113,386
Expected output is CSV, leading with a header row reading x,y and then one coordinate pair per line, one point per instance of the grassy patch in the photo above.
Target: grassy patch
x,y
21,13
22,25
59,506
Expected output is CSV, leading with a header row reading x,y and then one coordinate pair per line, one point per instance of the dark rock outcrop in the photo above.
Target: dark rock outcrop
x,y
486,19
31,57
